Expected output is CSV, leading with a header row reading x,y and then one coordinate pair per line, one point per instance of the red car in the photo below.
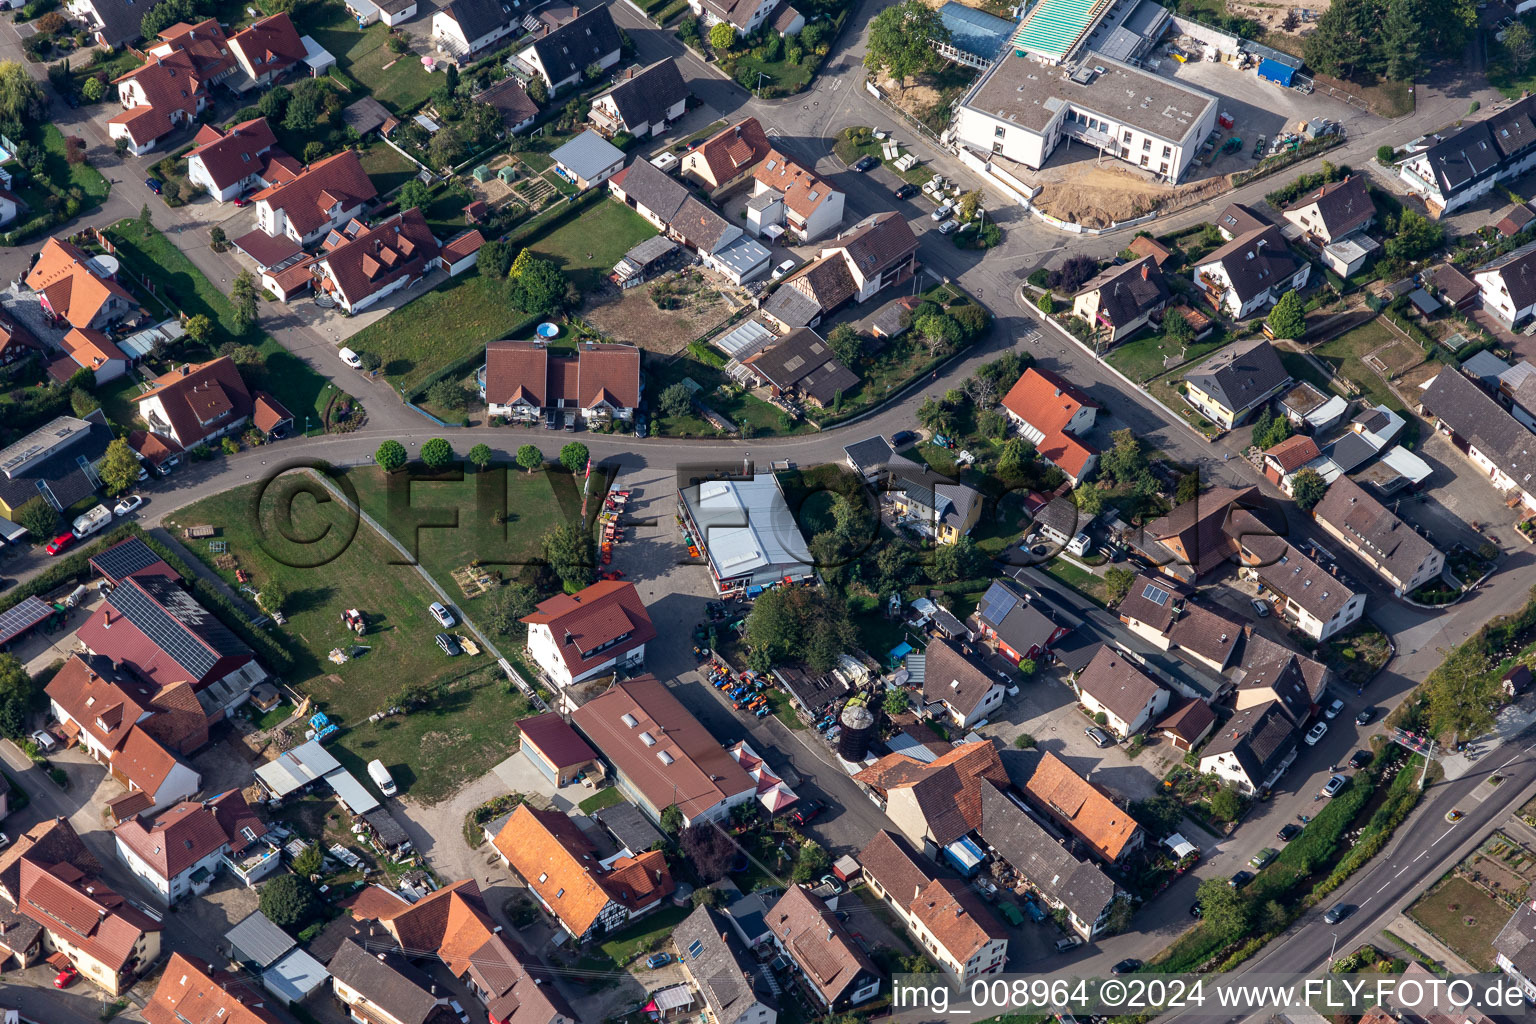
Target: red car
x,y
238,201
59,543
65,978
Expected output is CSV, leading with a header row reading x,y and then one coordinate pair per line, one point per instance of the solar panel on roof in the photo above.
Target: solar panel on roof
x,y
695,948
1157,595
21,618
998,603
164,630
123,560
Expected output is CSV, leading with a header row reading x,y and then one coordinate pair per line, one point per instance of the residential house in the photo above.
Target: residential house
x,y
511,101
1236,381
1252,749
789,196
1453,287
1238,219
1514,222
1516,387
746,532
1192,539
111,23
960,690
880,251
1384,542
561,867
16,342
1267,671
384,988
554,748
595,631
522,381
935,803
180,852
733,988
872,458
644,102
745,16
1187,723
1488,435
1333,211
1053,414
802,366
563,56
77,288
1083,809
810,293
1284,460
1114,686
788,22
362,265
326,195
727,157
1143,245
159,631
267,48
94,351
190,990
173,86
464,27
930,504
196,403
948,917
1318,602
1122,300
1162,613
666,203
835,968
588,160
1251,272
660,754
56,462
49,877
1508,285
1042,860
137,730
10,206
1020,626
229,164
1514,948
453,926
1462,166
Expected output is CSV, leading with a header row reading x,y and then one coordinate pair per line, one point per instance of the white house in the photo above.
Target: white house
x,y
229,164
1388,545
1251,272
786,195
328,194
1053,414
1492,439
464,27
644,102
1453,170
879,250
573,637
364,265
1508,285
959,689
1112,685
563,56
181,851
743,15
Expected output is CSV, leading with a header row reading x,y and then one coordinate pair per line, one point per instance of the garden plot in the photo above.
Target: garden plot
x,y
636,315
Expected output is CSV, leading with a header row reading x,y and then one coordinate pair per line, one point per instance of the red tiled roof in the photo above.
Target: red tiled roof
x,y
142,761
306,200
803,191
402,246
1294,452
71,289
1048,402
155,448
233,156
733,150
555,739
91,349
948,789
608,373
270,46
463,245
209,393
516,370
267,250
14,335
1080,806
595,616
190,831
267,413
85,910
195,993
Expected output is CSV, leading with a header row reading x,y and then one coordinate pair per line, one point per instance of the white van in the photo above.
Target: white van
x,y
90,522
350,358
665,161
381,778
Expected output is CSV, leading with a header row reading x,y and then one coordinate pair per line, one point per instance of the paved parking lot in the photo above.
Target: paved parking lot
x,y
1459,494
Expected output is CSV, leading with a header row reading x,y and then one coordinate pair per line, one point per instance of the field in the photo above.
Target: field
x,y
145,252
1464,917
464,727
396,80
633,315
587,247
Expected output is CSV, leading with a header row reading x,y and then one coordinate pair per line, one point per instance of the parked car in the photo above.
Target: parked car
x,y
783,268
902,437
1360,759
906,191
1126,966
1338,912
1240,879
1260,609
1070,942
45,740
656,960
459,1011
943,211
59,543
65,977
155,186
1334,784
449,645
831,882
350,358
1335,708
806,811
1288,832
949,227
1263,857
1316,733
866,163
127,505
443,616
238,202
1099,736
1366,714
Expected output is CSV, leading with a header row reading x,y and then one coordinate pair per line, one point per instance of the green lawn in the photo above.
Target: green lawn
x,y
1142,358
450,322
396,80
422,514
60,172
388,169
1344,354
1462,916
148,253
647,933
745,410
116,398
465,728
587,247
602,798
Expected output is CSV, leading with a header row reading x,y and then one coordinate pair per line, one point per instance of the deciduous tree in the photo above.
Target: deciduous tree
x,y
119,467
574,456
722,35
17,696
572,554
437,453
481,455
1288,318
529,457
1308,488
901,38
709,849
676,400
390,456
288,901
509,606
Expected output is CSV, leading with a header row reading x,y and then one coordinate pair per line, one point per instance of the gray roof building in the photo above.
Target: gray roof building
x,y
1368,526
569,49
1242,375
1515,945
1259,738
802,361
728,980
1256,260
645,98
1476,419
389,983
1034,852
588,155
628,826
256,940
1129,292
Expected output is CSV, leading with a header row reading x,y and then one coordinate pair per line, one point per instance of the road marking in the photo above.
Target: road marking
x,y
1400,871
1444,834
1384,886
1367,900
1422,853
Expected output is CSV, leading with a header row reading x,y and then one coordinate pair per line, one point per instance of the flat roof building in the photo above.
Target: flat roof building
x,y
746,532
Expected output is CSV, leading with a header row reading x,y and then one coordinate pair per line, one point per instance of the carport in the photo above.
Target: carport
x,y
21,619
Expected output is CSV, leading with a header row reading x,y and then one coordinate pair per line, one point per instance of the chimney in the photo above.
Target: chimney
x,y
1146,269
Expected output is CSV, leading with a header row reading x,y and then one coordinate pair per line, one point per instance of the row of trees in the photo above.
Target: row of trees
x,y
437,453
1367,40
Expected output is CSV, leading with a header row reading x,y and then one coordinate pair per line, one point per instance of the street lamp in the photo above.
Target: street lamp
x,y
1334,948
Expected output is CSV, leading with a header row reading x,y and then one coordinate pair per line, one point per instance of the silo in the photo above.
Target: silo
x,y
858,723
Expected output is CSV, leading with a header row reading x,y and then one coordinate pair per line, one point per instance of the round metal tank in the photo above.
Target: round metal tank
x,y
858,723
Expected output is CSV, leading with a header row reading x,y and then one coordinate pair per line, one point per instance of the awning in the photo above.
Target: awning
x,y
1180,846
